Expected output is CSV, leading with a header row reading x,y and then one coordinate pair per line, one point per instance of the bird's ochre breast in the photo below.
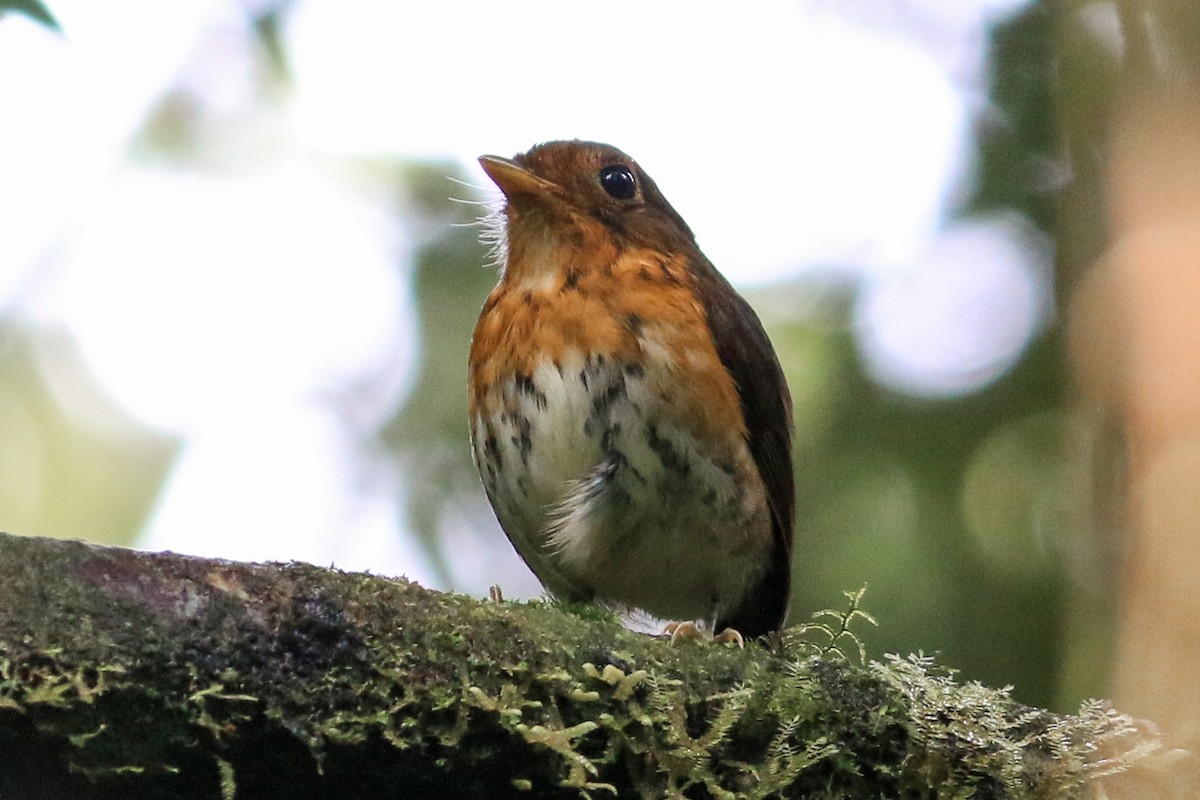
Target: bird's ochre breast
x,y
610,437
638,311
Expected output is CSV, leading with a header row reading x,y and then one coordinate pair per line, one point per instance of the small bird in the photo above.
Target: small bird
x,y
629,417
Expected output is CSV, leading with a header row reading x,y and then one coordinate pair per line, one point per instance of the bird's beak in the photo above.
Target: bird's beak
x,y
513,179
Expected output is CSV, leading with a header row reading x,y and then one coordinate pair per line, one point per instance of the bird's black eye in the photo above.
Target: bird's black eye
x,y
619,182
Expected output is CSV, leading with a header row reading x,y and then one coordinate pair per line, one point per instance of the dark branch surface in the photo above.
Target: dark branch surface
x,y
129,675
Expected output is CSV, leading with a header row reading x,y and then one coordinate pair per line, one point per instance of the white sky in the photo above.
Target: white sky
x,y
776,131
786,134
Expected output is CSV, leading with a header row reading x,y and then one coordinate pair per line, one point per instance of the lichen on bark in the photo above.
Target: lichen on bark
x,y
157,675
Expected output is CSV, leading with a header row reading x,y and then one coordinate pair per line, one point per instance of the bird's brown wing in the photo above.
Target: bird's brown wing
x,y
746,352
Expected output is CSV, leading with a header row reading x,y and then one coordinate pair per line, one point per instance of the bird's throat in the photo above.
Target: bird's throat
x,y
543,250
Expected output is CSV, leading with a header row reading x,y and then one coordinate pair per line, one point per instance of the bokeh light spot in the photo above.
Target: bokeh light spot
x,y
961,315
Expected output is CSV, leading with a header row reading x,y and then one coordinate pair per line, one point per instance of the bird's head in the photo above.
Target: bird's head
x,y
576,196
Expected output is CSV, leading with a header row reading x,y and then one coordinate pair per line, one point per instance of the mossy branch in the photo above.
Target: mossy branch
x,y
127,674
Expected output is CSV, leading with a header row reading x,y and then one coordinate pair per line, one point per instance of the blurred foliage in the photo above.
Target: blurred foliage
x,y
267,20
430,431
1018,164
969,518
72,465
1088,72
34,9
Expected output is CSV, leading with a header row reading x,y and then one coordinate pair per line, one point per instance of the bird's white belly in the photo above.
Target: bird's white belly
x,y
607,498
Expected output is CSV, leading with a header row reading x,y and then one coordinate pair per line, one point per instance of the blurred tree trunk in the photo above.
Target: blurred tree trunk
x,y
126,674
1134,142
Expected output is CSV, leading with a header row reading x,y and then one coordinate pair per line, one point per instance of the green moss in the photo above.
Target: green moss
x,y
234,677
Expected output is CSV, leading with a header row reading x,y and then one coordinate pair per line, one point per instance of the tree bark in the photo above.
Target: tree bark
x,y
128,674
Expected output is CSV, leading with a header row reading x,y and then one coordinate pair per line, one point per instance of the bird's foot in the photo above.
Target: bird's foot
x,y
730,636
687,630
683,631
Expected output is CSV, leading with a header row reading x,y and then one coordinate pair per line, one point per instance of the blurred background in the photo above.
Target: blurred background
x,y
239,270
